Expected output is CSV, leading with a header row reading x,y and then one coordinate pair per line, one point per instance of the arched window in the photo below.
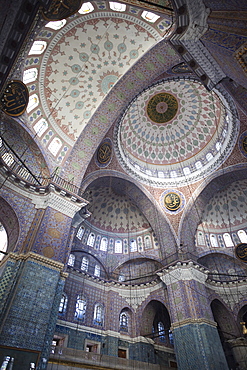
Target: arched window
x,y
228,240
3,241
40,127
209,156
86,8
32,103
186,171
80,232
200,238
97,270
170,337
242,236
149,17
56,25
91,239
71,260
8,158
30,75
84,264
123,321
118,246
133,245
161,331
63,304
147,242
98,317
103,244
81,305
213,240
117,6
54,146
198,165
38,47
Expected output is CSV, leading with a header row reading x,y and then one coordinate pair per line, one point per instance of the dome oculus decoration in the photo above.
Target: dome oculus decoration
x,y
176,131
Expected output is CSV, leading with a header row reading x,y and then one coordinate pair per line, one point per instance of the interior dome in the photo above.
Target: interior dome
x,y
174,132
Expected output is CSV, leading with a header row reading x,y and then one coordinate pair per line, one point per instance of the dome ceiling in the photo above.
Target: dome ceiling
x,y
227,209
115,213
175,132
81,63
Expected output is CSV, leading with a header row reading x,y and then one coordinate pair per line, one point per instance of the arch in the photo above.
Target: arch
x,y
81,306
10,222
125,320
156,323
98,317
198,201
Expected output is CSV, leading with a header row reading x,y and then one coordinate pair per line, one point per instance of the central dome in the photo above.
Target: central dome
x,y
175,131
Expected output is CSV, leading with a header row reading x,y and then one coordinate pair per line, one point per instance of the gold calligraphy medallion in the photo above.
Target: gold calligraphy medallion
x,y
15,98
172,201
241,252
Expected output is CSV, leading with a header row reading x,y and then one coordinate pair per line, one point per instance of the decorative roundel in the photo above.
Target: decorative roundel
x,y
15,98
241,252
162,107
243,143
172,201
175,132
104,153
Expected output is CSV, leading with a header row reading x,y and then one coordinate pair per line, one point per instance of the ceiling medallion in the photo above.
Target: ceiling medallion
x,y
172,201
243,143
162,107
15,98
60,9
104,153
241,252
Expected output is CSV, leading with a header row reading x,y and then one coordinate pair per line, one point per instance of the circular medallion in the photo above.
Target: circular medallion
x,y
162,107
15,98
242,143
241,252
61,9
172,201
104,153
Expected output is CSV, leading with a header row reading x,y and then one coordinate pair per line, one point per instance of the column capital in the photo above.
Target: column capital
x,y
188,270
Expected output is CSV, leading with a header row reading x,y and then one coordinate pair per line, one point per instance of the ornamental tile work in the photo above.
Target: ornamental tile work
x,y
52,236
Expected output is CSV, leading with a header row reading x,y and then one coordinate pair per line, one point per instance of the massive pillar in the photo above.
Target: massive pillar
x,y
32,281
196,339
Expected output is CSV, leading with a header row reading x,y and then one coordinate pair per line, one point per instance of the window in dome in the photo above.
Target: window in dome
x,y
213,240
121,278
147,242
80,310
161,174
32,103
150,17
242,236
8,158
38,47
54,146
133,245
123,321
228,240
63,304
161,331
198,165
209,156
30,75
186,171
24,173
173,174
98,317
86,8
56,25
200,238
71,260
80,232
97,270
103,244
3,241
118,246
40,127
84,264
91,240
218,146
117,6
